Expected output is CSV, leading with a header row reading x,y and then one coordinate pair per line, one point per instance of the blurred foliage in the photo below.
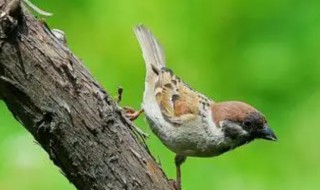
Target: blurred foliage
x,y
263,52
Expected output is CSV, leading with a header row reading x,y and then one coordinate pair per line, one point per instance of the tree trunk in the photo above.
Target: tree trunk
x,y
51,93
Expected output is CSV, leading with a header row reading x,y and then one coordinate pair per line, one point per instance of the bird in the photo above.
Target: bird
x,y
187,122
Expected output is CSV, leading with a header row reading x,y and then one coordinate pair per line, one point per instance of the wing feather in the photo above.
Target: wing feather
x,y
178,103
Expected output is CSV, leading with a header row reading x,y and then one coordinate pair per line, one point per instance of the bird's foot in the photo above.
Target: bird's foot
x,y
131,113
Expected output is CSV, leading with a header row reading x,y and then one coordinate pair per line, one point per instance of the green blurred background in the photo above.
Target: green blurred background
x,y
262,52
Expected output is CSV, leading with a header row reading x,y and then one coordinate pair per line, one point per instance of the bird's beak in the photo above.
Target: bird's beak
x,y
267,134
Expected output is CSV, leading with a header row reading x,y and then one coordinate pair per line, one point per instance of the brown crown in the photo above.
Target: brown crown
x,y
231,110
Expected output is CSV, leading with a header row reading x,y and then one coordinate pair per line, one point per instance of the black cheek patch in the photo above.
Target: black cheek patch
x,y
231,133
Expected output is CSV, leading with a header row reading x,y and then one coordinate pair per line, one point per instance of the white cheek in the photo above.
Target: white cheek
x,y
234,126
216,130
221,123
244,132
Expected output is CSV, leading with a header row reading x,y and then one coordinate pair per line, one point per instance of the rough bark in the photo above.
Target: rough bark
x,y
51,93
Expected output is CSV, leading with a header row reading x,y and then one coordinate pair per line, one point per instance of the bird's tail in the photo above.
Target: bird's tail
x,y
152,52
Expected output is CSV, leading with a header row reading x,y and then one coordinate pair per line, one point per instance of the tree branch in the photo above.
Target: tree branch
x,y
51,93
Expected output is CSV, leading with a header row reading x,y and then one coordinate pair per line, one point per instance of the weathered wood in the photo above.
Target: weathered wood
x,y
51,93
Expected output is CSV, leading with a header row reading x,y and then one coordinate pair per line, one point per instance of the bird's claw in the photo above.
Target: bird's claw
x,y
131,113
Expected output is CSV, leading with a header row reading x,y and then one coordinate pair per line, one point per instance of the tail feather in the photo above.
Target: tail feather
x,y
152,52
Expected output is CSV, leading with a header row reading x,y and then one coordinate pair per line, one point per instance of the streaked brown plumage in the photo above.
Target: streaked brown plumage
x,y
186,121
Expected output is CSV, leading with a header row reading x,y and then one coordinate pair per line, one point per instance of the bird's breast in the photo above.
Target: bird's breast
x,y
194,138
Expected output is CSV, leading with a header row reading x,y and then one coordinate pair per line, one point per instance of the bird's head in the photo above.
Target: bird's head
x,y
239,120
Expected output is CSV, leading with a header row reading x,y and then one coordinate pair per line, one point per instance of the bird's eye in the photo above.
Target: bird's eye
x,y
248,123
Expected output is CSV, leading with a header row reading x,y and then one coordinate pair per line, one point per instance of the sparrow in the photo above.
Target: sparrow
x,y
186,121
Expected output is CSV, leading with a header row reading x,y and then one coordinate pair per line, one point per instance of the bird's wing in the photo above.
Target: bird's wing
x,y
178,102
